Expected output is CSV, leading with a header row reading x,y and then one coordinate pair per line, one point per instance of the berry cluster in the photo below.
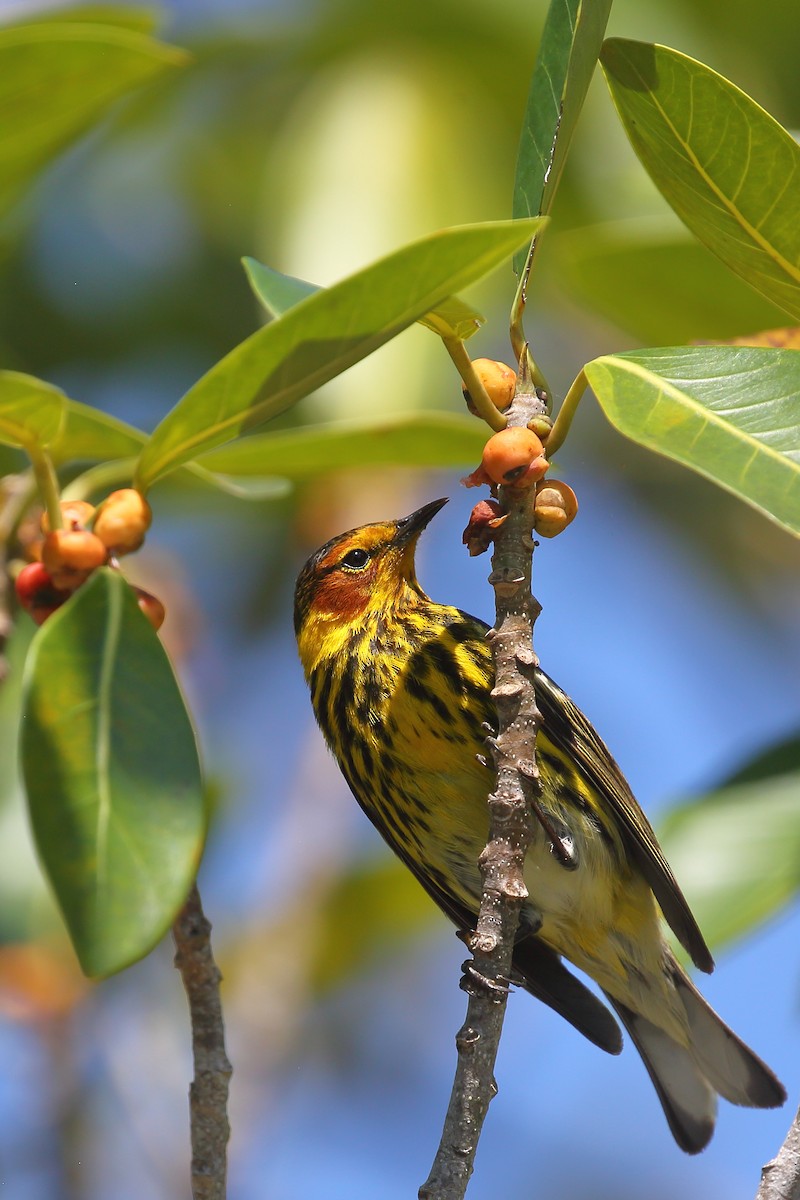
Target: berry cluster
x,y
89,538
515,458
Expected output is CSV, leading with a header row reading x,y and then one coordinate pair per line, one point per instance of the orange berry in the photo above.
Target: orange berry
x,y
510,455
499,381
555,507
70,555
123,520
151,606
76,514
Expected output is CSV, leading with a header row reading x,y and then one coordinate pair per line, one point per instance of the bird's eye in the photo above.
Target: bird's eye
x,y
356,559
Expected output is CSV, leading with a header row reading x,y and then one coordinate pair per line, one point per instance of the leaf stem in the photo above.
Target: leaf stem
x,y
566,413
100,477
458,352
47,482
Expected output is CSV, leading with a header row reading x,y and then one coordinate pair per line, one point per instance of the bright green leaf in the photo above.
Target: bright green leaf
x,y
613,270
89,435
423,439
57,80
737,853
571,41
31,412
322,336
726,167
731,413
278,293
111,771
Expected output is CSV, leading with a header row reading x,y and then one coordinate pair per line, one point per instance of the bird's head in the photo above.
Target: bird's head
x,y
365,571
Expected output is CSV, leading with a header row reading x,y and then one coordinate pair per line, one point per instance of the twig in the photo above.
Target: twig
x,y
780,1178
208,1094
486,976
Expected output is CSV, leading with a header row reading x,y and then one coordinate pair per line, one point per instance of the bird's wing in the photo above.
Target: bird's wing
x,y
571,732
542,971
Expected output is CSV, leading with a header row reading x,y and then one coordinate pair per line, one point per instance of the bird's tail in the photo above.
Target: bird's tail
x,y
689,1078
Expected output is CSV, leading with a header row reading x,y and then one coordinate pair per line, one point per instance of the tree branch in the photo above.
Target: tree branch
x,y
780,1178
487,975
208,1094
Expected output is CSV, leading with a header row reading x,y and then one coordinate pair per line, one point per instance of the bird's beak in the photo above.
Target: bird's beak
x,y
409,528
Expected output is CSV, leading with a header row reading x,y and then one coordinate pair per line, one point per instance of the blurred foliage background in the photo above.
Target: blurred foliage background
x,y
317,137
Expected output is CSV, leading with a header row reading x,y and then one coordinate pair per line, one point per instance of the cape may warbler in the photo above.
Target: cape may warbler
x,y
401,689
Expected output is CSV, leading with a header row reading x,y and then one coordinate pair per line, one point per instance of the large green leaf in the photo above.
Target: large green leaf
x,y
278,293
111,771
88,435
571,41
736,853
57,80
321,336
31,412
612,268
726,167
422,439
731,413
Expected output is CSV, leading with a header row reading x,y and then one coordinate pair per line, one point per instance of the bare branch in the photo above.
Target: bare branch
x,y
511,806
780,1178
208,1095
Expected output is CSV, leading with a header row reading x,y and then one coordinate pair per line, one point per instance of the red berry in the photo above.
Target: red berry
x,y
37,593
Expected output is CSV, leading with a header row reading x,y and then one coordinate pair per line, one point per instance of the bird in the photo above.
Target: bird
x,y
401,689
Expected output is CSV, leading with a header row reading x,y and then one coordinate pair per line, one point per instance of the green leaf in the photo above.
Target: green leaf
x,y
31,412
59,79
726,167
612,268
423,439
139,20
89,435
111,771
571,41
731,413
278,293
737,853
322,336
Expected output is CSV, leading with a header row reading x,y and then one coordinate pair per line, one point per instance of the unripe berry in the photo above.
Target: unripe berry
x,y
541,426
499,381
70,556
76,514
514,457
151,606
555,507
123,520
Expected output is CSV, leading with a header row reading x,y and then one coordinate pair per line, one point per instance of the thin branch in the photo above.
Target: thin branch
x,y
208,1094
472,381
510,809
780,1178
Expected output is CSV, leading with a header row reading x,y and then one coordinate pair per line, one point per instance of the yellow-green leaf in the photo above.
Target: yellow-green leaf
x,y
731,413
321,336
726,167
